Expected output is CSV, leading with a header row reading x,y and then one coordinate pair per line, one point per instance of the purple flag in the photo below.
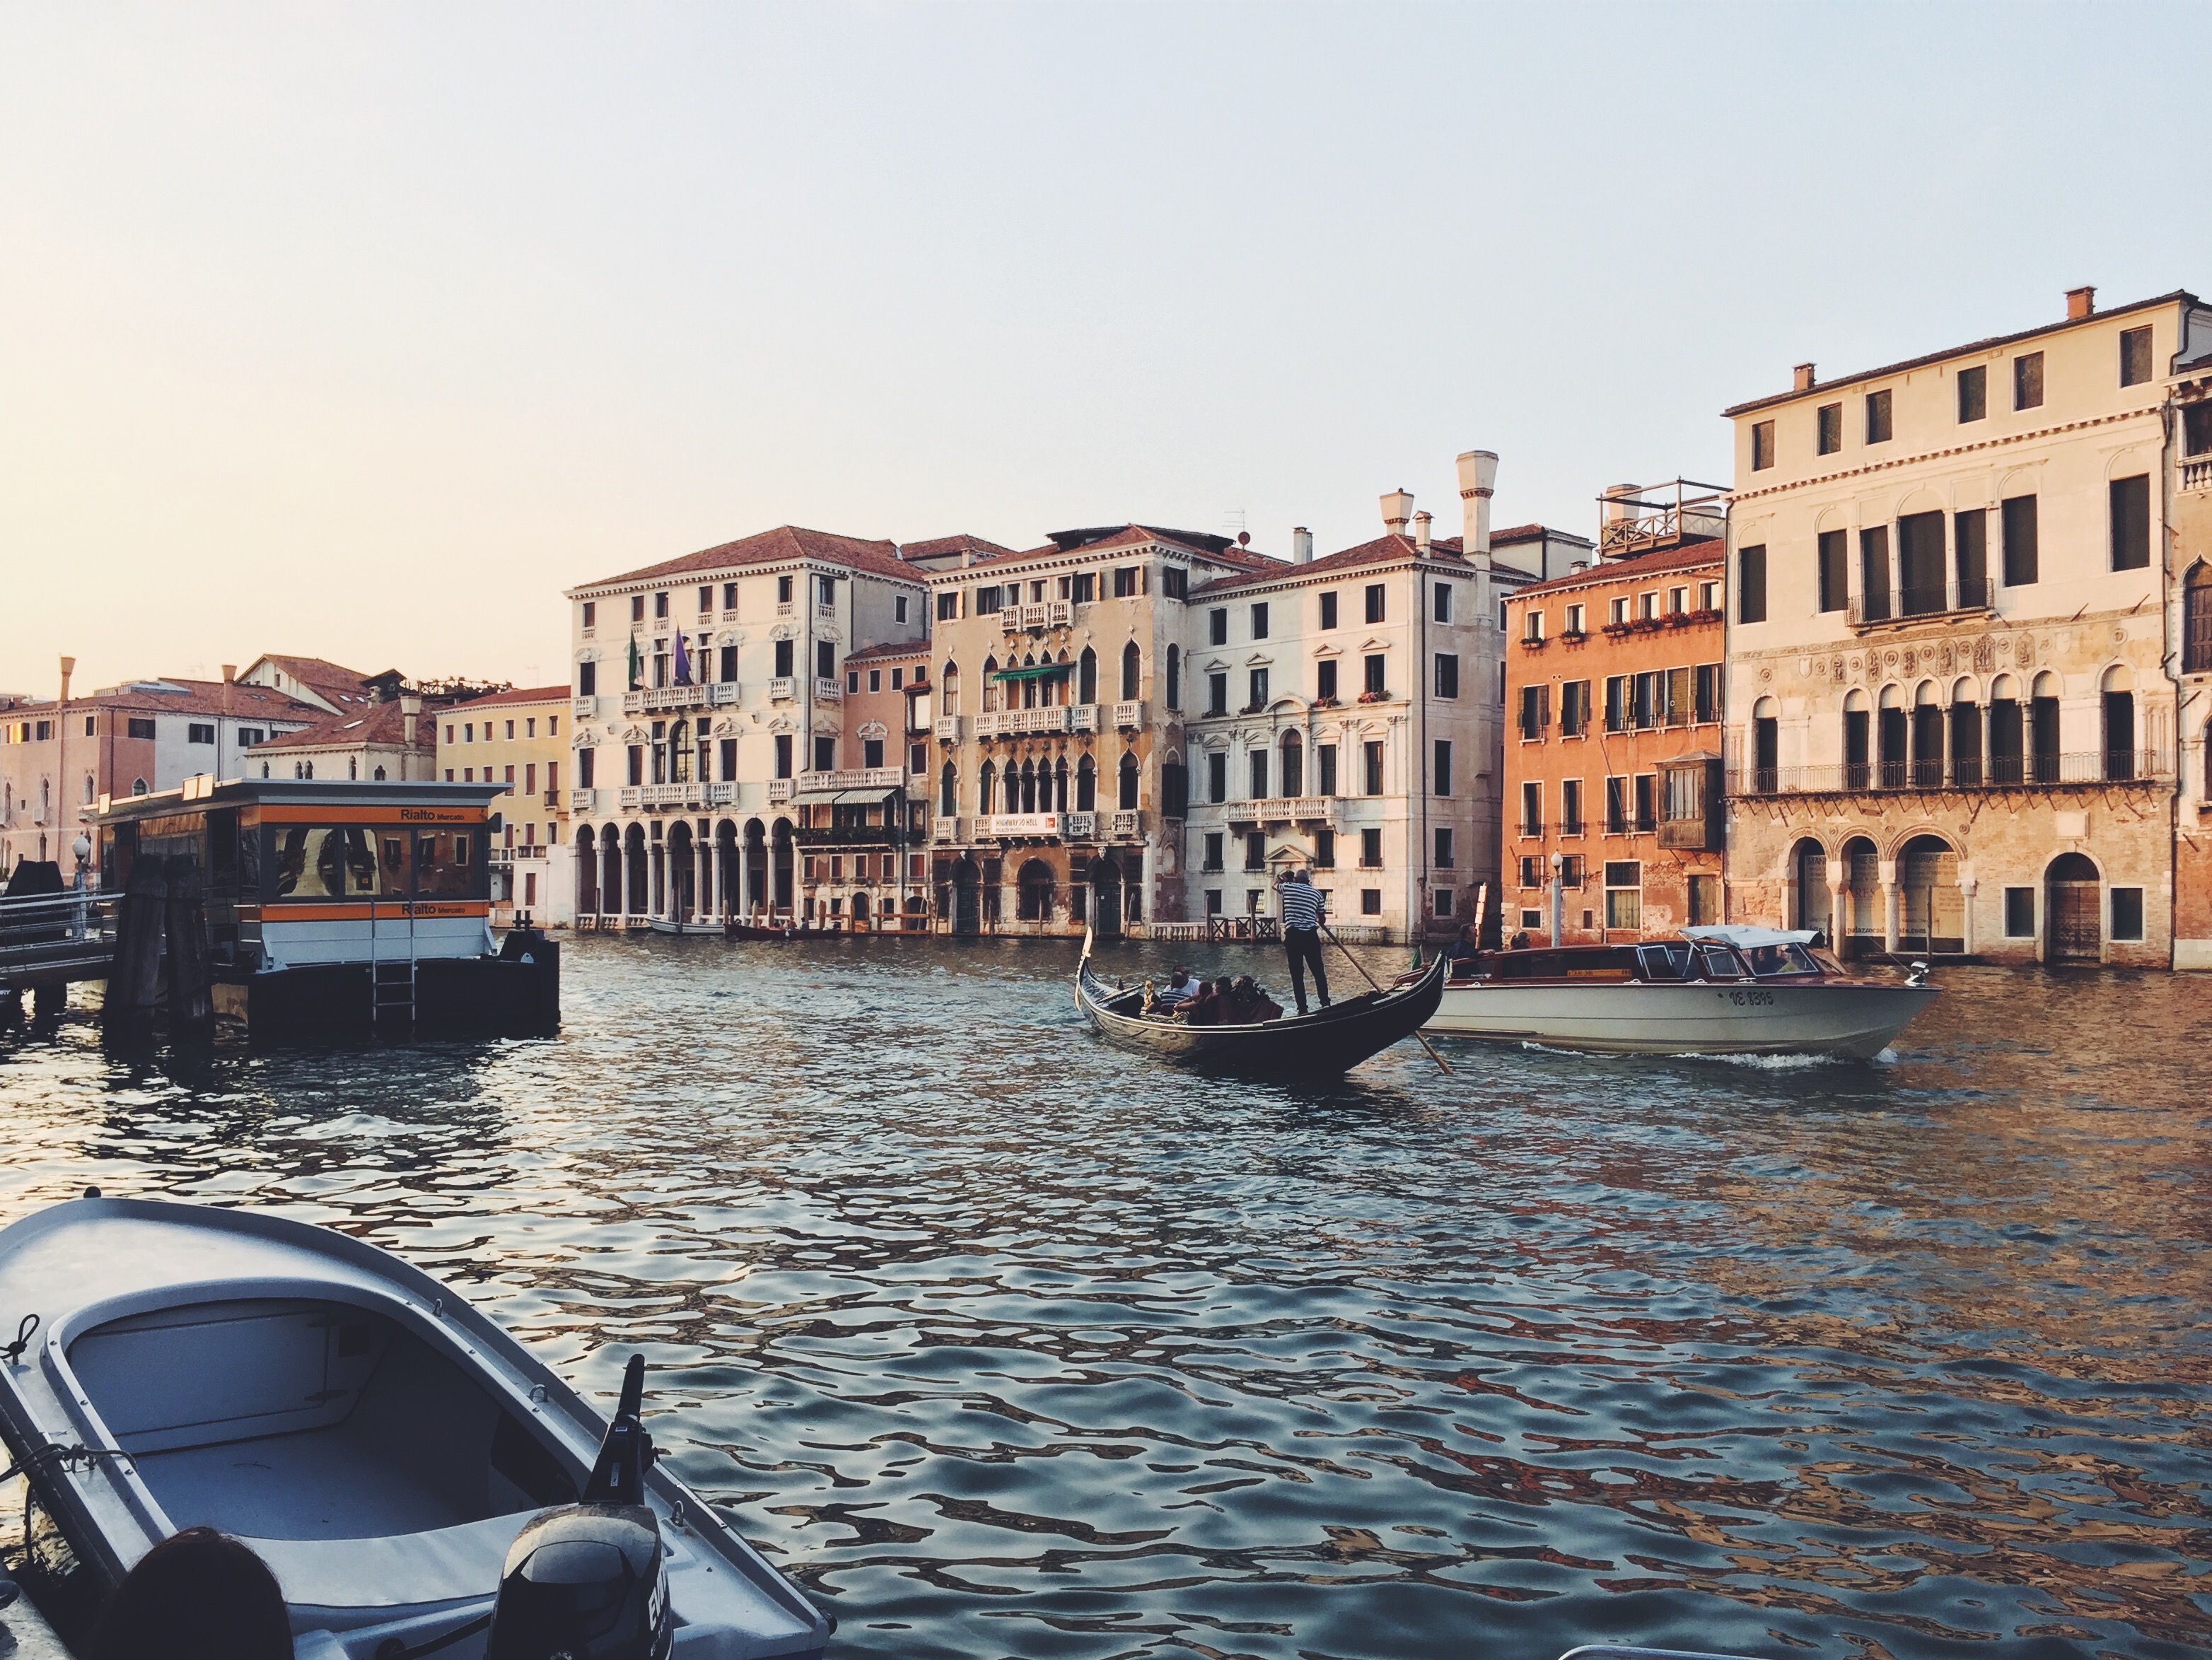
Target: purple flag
x,y
683,661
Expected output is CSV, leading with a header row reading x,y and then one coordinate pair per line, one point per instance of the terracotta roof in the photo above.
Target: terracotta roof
x,y
1521,533
196,697
1821,387
963,543
1384,550
785,544
332,680
381,723
919,648
1697,554
1134,536
534,694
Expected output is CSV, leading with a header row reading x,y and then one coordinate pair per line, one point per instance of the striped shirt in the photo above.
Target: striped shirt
x,y
1301,905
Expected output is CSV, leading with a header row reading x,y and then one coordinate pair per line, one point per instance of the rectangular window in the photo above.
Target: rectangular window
x,y
1535,711
1375,685
469,732
825,754
827,587
1375,602
1751,584
2027,381
1259,622
1575,615
586,767
2020,558
660,605
1624,893
1213,845
782,755
1370,901
783,590
1574,708
140,727
1647,816
507,778
875,680
948,607
1328,610
591,614
1970,555
1616,703
1532,875
1125,581
2020,913
825,660
1532,625
1829,429
1174,581
1443,779
1324,850
1616,807
1447,674
1443,606
1372,763
2131,519
785,650
1256,762
1834,570
1217,626
1873,573
707,597
853,679
2127,902
1570,807
1705,902
1707,694
1973,393
1217,777
2134,370
1257,680
1920,564
1216,695
1877,417
1532,808
989,601
1762,446
1086,587
1325,768
200,732
2196,430
1324,679
1371,849
1443,859
1255,849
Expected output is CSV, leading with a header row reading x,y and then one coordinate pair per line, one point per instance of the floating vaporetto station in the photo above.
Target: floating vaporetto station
x,y
323,907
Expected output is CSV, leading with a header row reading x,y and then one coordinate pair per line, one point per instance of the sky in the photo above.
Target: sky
x,y
361,331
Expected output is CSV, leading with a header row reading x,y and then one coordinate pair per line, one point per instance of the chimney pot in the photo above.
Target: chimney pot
x,y
1301,546
229,673
1421,523
1804,378
69,668
1478,479
2081,302
1397,511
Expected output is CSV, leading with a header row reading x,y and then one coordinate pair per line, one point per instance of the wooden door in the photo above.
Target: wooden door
x,y
2073,925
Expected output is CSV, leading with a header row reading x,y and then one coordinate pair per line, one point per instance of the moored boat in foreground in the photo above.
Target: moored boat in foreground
x,y
385,1449
1727,989
1326,1042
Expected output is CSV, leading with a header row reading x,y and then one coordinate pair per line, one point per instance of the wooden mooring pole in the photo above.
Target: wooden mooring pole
x,y
192,997
134,983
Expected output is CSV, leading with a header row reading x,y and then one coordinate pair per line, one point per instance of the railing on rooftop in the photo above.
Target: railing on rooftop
x,y
1643,518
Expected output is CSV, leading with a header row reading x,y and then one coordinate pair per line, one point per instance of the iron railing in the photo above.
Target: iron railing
x,y
2048,770
1939,599
54,938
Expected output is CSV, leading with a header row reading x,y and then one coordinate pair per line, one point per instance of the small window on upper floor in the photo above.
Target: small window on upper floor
x,y
1574,615
1877,417
1259,622
1175,582
898,608
1762,446
1375,602
1217,626
1678,601
2197,429
660,605
1443,592
2134,356
2027,381
1619,610
1709,596
1829,429
1328,610
1647,606
1532,624
591,614
1973,393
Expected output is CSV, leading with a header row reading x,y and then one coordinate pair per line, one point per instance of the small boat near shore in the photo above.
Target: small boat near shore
x,y
1323,1043
1726,990
388,1450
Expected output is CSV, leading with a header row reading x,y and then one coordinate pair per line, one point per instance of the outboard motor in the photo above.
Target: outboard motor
x,y
588,1581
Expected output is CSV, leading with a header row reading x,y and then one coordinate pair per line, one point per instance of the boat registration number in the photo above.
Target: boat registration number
x,y
1749,999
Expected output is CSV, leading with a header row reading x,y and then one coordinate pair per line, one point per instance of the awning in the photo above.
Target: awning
x,y
824,797
1038,672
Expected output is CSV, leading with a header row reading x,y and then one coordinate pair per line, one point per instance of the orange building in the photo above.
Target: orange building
x,y
1614,680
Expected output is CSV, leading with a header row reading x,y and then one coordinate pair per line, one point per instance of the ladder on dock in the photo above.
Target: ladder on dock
x,y
390,979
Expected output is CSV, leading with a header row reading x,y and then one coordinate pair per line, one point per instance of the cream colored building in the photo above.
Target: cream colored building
x,y
519,739
1951,699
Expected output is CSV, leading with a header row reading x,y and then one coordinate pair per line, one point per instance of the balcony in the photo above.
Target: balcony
x,y
530,850
583,708
588,631
1058,614
552,799
2196,472
854,778
1083,717
1078,826
824,613
949,830
1283,809
1045,718
779,790
720,794
948,728
1010,618
729,618
785,608
2074,769
1907,605
496,857
721,692
1129,714
583,800
1035,616
986,724
829,691
1126,825
664,697
782,690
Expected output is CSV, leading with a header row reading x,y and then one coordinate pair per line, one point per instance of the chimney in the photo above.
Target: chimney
x,y
1421,522
1617,497
1801,377
69,668
1397,510
1302,546
410,716
2080,303
230,673
1478,478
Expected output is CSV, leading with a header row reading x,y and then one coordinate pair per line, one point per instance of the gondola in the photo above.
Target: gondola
x,y
1327,1042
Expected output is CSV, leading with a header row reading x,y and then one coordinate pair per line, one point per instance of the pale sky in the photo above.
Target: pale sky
x,y
362,330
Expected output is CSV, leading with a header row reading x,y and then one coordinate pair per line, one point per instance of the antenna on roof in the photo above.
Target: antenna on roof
x,y
1232,523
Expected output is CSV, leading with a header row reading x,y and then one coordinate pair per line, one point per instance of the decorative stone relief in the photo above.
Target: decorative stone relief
x,y
2024,652
1986,655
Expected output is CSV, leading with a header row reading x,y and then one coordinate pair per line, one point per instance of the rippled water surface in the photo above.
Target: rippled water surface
x,y
1003,1343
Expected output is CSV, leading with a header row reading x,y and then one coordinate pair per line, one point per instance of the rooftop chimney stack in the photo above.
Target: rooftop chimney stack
x,y
1302,546
1397,512
1478,480
410,716
69,668
1803,378
230,673
2080,303
1421,522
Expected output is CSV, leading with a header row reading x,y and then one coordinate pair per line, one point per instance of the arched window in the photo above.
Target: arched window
x,y
88,789
1893,739
1129,797
948,791
379,775
138,786
2043,721
1086,786
1858,739
679,752
990,685
951,688
1029,789
1132,669
1294,768
1965,734
984,781
1086,676
2196,620
1175,677
1765,746
1927,737
46,799
1060,786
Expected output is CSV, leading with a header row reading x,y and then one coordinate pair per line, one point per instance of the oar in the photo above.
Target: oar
x,y
1370,978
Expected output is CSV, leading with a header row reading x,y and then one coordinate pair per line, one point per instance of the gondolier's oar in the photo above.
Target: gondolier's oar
x,y
1370,978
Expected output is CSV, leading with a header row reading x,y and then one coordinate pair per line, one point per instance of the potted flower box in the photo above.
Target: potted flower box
x,y
1374,696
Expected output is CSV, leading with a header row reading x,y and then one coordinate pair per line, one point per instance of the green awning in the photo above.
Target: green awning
x,y
1041,671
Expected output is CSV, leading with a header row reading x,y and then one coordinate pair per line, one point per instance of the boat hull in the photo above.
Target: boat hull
x,y
1695,1018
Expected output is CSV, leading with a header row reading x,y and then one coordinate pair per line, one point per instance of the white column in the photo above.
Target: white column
x,y
745,877
1889,903
1839,919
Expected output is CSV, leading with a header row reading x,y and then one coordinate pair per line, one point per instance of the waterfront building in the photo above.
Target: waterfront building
x,y
60,755
706,689
2188,643
1951,702
517,739
1613,767
862,825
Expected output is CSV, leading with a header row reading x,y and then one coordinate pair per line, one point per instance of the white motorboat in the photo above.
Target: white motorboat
x,y
1729,990
388,1450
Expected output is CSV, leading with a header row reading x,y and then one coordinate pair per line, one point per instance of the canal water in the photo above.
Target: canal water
x,y
1004,1343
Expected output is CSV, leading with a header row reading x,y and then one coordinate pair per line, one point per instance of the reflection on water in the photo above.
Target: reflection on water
x,y
1003,1343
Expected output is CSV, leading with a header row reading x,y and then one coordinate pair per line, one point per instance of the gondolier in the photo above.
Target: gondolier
x,y
1301,904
